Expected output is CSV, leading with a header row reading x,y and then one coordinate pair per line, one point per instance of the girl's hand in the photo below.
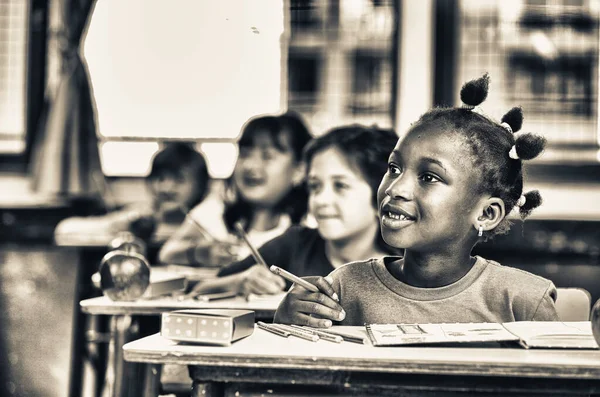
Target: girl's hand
x,y
315,309
260,281
214,253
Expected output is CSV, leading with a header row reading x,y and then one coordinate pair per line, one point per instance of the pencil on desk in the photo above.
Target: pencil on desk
x,y
321,334
215,296
298,333
273,330
346,337
257,256
294,279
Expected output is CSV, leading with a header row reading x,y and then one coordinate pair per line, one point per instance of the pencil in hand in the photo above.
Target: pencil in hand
x,y
294,279
255,254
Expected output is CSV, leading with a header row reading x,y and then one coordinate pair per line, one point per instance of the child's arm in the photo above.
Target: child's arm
x,y
315,309
254,280
190,246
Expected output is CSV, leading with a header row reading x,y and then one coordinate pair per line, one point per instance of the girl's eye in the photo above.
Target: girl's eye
x,y
429,178
340,186
393,169
312,186
268,155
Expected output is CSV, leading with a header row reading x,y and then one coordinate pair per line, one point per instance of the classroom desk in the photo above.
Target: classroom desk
x,y
267,364
122,318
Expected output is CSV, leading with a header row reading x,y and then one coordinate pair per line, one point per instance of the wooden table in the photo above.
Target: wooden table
x,y
267,364
123,328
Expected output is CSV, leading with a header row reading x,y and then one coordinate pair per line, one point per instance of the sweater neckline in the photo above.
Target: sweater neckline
x,y
426,294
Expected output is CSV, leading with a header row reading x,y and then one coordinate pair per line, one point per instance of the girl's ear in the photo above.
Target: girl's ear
x,y
491,213
298,174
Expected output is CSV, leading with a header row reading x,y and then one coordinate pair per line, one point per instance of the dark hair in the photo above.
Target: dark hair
x,y
295,202
490,143
176,156
367,148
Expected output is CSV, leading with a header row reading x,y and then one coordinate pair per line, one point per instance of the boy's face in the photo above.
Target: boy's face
x,y
263,172
427,198
339,198
173,190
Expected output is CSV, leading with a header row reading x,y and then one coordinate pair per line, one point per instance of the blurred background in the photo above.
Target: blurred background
x,y
89,91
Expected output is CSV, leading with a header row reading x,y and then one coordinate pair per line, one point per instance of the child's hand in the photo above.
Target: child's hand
x,y
315,309
260,281
214,253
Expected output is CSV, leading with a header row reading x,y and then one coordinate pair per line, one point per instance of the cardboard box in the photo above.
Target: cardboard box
x,y
207,326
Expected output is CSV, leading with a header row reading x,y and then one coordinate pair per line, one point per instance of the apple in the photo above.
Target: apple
x,y
124,276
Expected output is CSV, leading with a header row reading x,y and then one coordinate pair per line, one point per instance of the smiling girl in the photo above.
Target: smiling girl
x,y
344,168
265,193
451,181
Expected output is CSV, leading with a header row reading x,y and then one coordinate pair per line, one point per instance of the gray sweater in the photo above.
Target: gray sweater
x,y
489,292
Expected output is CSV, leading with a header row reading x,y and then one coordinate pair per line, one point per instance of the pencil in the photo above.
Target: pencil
x,y
294,279
257,256
321,334
274,330
215,296
346,337
297,332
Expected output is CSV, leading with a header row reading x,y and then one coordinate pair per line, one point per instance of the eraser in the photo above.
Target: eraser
x,y
207,326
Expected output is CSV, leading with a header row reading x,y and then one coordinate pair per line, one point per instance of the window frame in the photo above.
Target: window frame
x,y
35,83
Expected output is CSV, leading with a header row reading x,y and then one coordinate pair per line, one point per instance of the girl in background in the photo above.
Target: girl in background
x,y
265,194
178,181
344,168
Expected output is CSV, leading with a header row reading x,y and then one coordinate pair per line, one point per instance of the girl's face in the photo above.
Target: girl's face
x,y
174,190
427,200
264,173
339,198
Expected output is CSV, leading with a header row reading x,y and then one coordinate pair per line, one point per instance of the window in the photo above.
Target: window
x,y
14,19
219,63
342,60
542,55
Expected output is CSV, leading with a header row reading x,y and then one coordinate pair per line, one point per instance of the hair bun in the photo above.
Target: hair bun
x,y
533,199
529,146
475,91
514,118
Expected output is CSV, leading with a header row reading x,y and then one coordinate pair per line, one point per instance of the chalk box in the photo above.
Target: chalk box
x,y
207,326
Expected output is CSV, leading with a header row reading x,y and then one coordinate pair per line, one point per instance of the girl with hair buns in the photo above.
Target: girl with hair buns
x,y
450,183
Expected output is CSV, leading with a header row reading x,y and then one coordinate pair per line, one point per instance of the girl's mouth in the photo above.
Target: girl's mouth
x,y
250,182
393,220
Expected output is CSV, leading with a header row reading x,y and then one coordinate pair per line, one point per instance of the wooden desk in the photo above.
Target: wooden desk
x,y
123,329
269,364
263,307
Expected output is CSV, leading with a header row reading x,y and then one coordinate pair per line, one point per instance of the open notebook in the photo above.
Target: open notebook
x,y
529,334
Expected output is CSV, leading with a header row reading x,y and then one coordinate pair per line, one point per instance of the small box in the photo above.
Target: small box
x,y
207,326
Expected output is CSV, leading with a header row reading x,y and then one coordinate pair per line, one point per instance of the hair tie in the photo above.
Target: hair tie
x,y
521,201
513,153
507,127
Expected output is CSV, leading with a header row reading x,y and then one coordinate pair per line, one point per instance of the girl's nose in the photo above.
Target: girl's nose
x,y
401,188
323,196
252,162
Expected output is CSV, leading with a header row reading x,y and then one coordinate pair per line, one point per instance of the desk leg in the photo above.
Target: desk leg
x,y
203,389
115,384
152,380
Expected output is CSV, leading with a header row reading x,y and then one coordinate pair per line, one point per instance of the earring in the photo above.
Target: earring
x,y
480,232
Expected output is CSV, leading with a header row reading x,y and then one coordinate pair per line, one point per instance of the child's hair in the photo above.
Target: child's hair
x,y
179,155
495,151
295,202
365,148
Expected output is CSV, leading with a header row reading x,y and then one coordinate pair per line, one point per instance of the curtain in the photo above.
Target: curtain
x,y
66,160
